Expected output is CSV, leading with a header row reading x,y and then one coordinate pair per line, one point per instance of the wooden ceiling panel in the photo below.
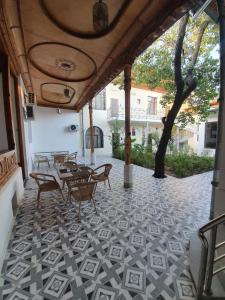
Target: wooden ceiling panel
x,y
59,45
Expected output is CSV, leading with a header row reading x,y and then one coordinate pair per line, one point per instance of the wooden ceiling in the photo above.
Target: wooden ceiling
x,y
53,44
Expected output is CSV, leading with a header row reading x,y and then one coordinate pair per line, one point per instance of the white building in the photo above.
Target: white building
x,y
51,128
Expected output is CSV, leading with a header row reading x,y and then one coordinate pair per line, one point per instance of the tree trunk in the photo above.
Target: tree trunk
x,y
184,87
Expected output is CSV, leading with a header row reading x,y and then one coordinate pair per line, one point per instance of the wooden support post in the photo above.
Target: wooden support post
x,y
5,69
18,104
128,168
219,166
92,159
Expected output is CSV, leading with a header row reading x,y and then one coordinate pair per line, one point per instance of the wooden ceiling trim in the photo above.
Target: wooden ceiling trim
x,y
58,106
86,35
57,83
150,33
7,42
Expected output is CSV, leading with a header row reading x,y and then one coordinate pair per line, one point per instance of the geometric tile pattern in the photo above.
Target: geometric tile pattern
x,y
135,247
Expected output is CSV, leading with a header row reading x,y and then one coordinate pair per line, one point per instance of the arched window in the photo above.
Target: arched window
x,y
98,138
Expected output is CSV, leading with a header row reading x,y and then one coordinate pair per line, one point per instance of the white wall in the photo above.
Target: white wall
x,y
201,138
14,186
49,131
3,134
99,120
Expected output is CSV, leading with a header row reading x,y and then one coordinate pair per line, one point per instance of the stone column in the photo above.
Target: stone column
x,y
128,167
92,150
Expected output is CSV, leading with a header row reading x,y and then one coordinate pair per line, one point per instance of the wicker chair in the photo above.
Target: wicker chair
x,y
45,184
83,191
59,159
71,165
72,157
42,159
102,176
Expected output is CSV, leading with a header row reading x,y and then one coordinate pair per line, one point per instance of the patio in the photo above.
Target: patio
x,y
135,248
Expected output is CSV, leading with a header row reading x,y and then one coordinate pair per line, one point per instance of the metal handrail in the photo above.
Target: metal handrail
x,y
211,224
208,255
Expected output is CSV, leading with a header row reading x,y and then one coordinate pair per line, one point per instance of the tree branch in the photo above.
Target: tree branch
x,y
198,43
178,53
191,87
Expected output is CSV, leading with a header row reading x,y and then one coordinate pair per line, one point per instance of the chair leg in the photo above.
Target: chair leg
x,y
61,194
94,204
109,184
95,188
38,198
79,211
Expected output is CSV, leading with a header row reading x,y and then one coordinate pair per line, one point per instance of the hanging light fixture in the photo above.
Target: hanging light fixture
x,y
67,92
100,16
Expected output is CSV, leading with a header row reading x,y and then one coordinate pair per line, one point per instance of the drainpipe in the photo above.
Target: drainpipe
x,y
219,153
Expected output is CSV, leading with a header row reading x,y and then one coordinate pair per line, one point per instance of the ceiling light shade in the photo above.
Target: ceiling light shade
x,y
100,16
66,92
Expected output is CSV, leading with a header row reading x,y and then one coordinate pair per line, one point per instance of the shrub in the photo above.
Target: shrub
x,y
178,163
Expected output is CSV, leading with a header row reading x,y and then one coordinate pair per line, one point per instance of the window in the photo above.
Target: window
x,y
99,102
210,134
114,107
133,132
152,105
98,138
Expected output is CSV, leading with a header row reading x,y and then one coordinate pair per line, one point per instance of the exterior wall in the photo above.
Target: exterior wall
x,y
201,149
99,120
3,134
50,131
141,122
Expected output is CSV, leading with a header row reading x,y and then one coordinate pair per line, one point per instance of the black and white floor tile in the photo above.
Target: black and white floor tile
x,y
136,247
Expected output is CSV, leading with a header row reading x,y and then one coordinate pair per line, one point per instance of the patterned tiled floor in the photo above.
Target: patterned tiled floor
x,y
134,248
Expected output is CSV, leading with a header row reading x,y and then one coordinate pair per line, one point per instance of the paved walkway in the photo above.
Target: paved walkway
x,y
134,248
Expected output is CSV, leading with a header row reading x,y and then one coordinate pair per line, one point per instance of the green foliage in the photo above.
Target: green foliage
x,y
182,164
149,145
178,163
156,138
155,67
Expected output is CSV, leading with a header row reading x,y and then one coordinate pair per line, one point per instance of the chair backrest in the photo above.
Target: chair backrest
x,y
71,165
108,167
86,190
78,177
60,158
72,156
42,158
39,177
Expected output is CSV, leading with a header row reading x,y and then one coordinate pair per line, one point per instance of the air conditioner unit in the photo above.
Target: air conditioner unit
x,y
30,99
30,112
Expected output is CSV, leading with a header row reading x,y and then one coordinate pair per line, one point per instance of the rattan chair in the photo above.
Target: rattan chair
x,y
72,157
102,176
73,166
83,191
59,159
45,184
42,159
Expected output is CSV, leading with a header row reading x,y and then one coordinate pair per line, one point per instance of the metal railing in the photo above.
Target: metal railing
x,y
208,259
136,114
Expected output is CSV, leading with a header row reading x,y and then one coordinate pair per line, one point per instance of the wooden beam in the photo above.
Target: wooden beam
x,y
91,132
5,69
127,88
19,125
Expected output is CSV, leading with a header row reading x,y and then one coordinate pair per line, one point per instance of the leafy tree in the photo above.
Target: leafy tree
x,y
181,62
